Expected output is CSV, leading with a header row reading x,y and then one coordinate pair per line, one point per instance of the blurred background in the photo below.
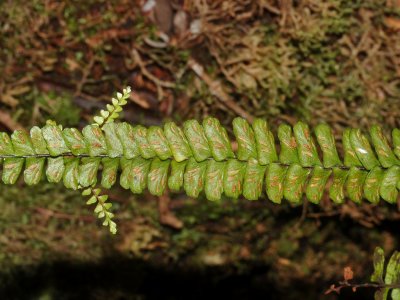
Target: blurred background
x,y
334,61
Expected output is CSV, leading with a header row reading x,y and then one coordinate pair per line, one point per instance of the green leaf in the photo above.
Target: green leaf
x,y
350,156
214,180
177,141
95,140
354,184
326,141
363,150
126,176
253,180
126,135
395,294
33,170
114,115
245,138
157,178
38,141
379,261
55,169
265,142
316,185
295,181
140,133
99,120
104,198
396,141
388,189
175,180
22,143
110,107
197,140
218,139
233,178
140,170
275,178
113,227
75,141
54,139
288,154
110,171
12,168
392,275
88,171
71,174
6,147
114,146
193,182
336,191
158,142
372,184
86,192
306,149
98,208
382,148
104,113
91,200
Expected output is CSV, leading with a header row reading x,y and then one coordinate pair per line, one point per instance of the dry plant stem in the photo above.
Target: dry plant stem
x,y
216,89
48,213
85,74
7,121
166,216
159,83
355,286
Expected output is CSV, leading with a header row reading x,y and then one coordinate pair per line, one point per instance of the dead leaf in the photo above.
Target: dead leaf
x,y
140,100
181,23
348,273
393,23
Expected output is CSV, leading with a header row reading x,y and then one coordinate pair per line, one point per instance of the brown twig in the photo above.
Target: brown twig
x,y
47,213
167,217
355,286
7,121
85,74
215,88
159,83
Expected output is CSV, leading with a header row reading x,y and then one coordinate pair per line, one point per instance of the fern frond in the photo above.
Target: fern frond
x,y
102,208
200,158
113,109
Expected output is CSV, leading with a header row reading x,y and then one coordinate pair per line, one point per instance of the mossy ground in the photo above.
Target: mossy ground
x,y
319,61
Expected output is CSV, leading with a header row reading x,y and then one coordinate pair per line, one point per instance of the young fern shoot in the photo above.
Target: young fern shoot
x,y
113,109
102,208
